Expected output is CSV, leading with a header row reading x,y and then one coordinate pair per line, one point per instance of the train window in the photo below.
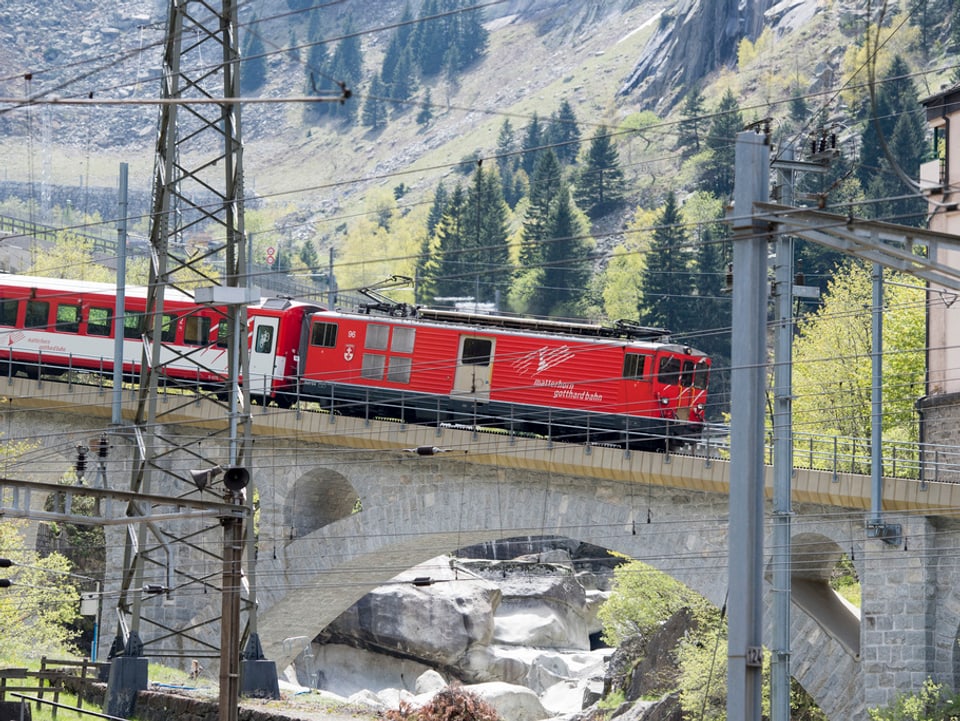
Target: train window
x,y
38,314
703,372
8,312
669,372
223,333
133,325
399,370
196,330
324,335
264,343
686,378
98,321
168,328
633,365
377,336
476,351
402,341
372,366
68,318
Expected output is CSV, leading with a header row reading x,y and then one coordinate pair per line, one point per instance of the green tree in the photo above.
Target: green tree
x,y
317,83
530,146
425,115
450,273
374,113
488,238
507,161
544,187
892,145
563,133
600,185
72,256
37,610
832,359
667,279
566,260
308,255
689,129
717,170
641,599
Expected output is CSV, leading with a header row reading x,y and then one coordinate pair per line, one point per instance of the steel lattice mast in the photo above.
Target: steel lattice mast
x,y
198,188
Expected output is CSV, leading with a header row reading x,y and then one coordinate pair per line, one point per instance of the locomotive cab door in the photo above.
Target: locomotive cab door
x,y
474,368
263,355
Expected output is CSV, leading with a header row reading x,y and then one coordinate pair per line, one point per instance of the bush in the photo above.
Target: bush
x,y
451,704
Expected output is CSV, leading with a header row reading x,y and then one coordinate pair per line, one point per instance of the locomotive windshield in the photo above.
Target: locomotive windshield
x,y
669,370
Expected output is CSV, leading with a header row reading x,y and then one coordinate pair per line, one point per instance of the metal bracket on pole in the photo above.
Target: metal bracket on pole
x,y
889,533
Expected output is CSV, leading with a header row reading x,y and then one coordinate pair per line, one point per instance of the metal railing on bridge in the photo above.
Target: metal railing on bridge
x,y
925,462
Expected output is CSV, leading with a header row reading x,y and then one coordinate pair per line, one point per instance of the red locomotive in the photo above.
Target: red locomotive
x,y
578,382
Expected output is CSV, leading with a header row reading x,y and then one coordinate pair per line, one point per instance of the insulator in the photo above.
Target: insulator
x,y
81,465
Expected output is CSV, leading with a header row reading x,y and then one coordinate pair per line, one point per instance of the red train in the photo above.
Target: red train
x,y
570,381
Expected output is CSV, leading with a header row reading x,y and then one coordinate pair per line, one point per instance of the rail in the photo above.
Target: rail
x,y
925,462
57,705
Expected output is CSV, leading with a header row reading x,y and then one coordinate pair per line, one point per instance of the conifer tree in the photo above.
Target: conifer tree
x,y
563,133
544,188
566,260
530,145
452,265
374,106
507,161
427,267
487,240
892,145
599,187
667,280
425,115
316,82
717,172
688,137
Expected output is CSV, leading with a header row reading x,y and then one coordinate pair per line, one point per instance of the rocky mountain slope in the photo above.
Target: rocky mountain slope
x,y
608,58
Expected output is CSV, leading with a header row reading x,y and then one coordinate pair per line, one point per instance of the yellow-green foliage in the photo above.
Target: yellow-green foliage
x,y
42,600
930,703
642,599
832,363
621,289
872,55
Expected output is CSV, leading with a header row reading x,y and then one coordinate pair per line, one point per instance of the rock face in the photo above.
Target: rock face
x,y
517,632
692,39
514,628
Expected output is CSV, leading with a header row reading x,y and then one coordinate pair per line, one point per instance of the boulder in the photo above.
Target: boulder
x,y
516,703
429,682
427,618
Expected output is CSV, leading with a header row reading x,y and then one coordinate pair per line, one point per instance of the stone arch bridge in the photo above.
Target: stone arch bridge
x,y
345,506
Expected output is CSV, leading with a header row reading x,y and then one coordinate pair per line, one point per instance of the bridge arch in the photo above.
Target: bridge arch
x,y
413,513
317,498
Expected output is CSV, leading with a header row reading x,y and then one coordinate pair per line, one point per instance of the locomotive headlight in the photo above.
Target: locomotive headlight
x,y
665,401
699,407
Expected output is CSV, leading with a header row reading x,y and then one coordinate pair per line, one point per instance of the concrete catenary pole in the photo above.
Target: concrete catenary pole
x,y
744,648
